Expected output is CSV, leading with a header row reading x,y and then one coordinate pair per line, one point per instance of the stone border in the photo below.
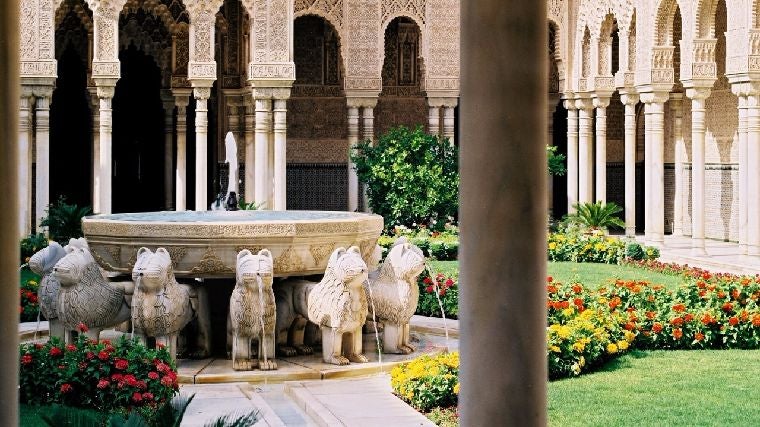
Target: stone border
x,y
306,401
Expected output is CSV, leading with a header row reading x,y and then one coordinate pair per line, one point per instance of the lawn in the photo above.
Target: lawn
x,y
666,388
590,274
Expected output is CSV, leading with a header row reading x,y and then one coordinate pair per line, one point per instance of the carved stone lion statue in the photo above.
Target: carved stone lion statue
x,y
160,306
85,295
42,263
252,311
338,305
394,292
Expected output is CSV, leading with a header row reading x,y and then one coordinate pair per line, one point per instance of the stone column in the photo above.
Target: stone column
x,y
181,100
503,334
647,172
353,139
601,104
656,110
434,119
753,169
42,148
742,156
280,154
249,152
95,104
24,166
105,95
630,100
572,155
201,94
676,108
262,183
168,152
585,151
368,122
698,129
448,123
9,217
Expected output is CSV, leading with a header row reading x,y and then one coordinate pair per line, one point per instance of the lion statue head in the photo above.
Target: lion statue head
x,y
407,260
348,267
250,268
72,268
152,270
45,259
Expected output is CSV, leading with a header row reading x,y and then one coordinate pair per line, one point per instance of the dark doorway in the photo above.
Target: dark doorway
x,y
71,132
138,144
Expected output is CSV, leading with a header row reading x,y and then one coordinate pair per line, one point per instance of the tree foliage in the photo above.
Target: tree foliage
x,y
412,177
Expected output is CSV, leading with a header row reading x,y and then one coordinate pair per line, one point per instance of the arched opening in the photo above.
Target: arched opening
x,y
317,119
401,101
70,114
137,135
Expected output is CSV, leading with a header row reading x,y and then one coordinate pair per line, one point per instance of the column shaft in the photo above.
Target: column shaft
x,y
168,155
249,154
201,153
180,177
434,120
753,174
657,174
261,192
743,173
572,156
601,154
676,108
280,155
24,168
698,174
43,157
105,154
585,155
96,206
630,167
368,128
353,139
647,172
448,124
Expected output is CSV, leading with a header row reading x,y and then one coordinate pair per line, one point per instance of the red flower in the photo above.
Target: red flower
x,y
66,387
549,279
26,359
147,395
121,364
442,292
55,351
688,317
71,347
699,336
39,346
166,380
430,289
141,385
153,375
81,327
656,328
427,281
103,383
449,283
551,289
564,304
733,321
577,288
136,397
578,302
678,308
89,355
677,321
677,334
728,307
82,366
103,355
130,380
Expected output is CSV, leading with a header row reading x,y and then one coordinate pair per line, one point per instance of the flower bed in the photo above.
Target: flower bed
x,y
438,245
443,287
580,247
108,377
428,381
29,301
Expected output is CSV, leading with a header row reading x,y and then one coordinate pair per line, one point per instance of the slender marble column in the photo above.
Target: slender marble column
x,y
630,100
742,156
353,139
262,191
368,133
24,167
753,173
647,172
572,155
657,174
585,151
42,112
698,128
434,120
249,153
280,155
676,108
95,103
180,175
503,327
202,95
448,124
168,153
105,94
601,104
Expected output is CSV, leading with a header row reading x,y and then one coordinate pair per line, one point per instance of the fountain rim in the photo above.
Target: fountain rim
x,y
346,217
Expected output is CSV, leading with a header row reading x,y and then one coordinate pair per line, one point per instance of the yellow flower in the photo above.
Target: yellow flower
x,y
599,246
456,388
555,349
582,361
629,336
568,311
612,348
32,282
579,346
552,246
622,345
564,332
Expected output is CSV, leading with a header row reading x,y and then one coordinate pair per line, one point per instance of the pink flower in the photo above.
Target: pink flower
x,y
55,351
153,375
66,387
136,397
71,347
103,355
103,383
121,364
147,396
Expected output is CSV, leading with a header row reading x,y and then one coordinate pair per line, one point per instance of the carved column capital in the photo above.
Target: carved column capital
x,y
655,97
584,104
361,102
202,92
442,102
601,101
569,104
698,93
105,91
629,98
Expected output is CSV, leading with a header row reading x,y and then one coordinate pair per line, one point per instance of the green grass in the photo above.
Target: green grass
x,y
27,274
29,416
449,268
662,388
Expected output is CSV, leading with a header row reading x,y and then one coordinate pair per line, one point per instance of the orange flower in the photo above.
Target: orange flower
x,y
733,321
756,320
678,308
699,336
688,317
657,328
676,321
677,334
577,288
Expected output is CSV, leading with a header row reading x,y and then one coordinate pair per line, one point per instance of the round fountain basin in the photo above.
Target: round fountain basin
x,y
205,244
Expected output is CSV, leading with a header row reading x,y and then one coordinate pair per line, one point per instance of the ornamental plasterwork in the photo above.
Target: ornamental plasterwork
x,y
211,263
441,45
414,9
363,45
332,10
37,38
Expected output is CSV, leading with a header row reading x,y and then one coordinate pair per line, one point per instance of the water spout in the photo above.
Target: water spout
x,y
437,291
374,323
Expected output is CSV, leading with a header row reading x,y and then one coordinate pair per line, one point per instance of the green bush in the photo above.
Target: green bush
x,y
412,178
597,216
31,244
595,247
438,245
448,292
64,220
29,303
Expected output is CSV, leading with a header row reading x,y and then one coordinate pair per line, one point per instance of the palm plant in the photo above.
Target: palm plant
x,y
64,220
597,216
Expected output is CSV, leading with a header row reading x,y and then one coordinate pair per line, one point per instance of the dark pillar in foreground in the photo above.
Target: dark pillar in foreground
x,y
503,213
9,245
